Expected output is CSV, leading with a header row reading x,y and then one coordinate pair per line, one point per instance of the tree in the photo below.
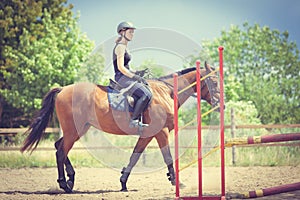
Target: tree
x,y
155,70
92,69
42,48
264,65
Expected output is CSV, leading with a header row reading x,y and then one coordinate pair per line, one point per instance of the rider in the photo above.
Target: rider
x,y
125,77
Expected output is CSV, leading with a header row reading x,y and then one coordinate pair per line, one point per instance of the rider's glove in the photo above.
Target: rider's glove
x,y
140,79
142,72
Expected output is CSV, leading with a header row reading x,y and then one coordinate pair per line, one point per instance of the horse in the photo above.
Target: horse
x,y
82,105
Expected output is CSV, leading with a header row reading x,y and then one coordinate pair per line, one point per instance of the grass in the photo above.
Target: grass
x,y
15,159
47,158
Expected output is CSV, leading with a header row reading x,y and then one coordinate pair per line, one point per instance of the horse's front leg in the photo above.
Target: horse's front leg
x,y
163,143
169,162
138,150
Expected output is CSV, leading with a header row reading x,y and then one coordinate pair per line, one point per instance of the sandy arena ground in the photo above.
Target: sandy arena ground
x,y
103,183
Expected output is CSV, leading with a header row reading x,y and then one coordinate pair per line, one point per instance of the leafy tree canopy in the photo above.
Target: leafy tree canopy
x,y
262,66
41,47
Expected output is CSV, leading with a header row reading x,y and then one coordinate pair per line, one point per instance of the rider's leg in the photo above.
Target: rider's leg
x,y
143,96
138,110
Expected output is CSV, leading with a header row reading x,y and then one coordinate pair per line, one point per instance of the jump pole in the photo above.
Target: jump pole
x,y
199,120
271,191
175,76
222,139
263,139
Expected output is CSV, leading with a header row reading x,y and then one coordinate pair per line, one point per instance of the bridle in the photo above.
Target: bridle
x,y
212,89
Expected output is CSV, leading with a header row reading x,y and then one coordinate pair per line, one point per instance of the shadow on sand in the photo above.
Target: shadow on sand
x,y
61,192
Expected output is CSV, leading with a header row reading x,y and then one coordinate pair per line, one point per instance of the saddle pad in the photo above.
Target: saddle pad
x,y
118,101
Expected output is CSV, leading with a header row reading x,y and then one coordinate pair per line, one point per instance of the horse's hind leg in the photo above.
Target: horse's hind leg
x,y
138,150
70,173
62,159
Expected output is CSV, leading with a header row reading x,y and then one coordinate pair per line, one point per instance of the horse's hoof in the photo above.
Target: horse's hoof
x,y
70,185
65,186
124,190
67,189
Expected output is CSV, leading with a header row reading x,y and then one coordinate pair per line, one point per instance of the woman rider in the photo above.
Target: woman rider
x,y
125,77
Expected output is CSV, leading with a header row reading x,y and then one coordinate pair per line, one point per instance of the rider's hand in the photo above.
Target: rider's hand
x,y
142,72
140,79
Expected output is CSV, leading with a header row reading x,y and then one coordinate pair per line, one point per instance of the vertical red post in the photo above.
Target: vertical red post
x,y
222,122
175,76
198,86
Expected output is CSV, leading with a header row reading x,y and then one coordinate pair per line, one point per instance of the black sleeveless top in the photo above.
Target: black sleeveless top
x,y
127,58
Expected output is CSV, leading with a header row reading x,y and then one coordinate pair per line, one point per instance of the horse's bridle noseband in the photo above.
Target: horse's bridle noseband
x,y
213,90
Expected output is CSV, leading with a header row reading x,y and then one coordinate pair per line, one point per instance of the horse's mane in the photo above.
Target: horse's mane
x,y
179,73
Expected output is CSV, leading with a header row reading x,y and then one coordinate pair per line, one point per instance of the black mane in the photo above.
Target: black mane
x,y
181,72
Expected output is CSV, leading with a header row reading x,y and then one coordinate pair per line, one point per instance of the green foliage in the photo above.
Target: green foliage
x,y
244,113
42,48
155,70
92,70
262,66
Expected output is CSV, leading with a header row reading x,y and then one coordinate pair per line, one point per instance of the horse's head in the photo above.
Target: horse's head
x,y
210,90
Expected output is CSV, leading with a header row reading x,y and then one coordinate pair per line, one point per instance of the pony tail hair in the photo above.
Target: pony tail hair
x,y
118,39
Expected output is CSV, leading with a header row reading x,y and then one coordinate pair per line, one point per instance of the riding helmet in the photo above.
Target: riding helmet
x,y
125,26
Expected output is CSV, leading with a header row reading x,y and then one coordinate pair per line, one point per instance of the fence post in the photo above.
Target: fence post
x,y
232,128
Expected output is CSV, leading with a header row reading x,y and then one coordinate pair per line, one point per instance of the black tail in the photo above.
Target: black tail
x,y
39,124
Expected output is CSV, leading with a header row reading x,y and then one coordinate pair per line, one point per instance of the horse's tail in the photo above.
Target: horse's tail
x,y
39,124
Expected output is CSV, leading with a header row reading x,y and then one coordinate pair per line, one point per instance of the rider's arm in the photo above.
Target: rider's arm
x,y
120,51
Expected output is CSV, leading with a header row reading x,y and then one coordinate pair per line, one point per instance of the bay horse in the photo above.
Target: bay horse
x,y
82,105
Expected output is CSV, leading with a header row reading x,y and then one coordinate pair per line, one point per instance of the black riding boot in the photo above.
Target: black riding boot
x,y
139,108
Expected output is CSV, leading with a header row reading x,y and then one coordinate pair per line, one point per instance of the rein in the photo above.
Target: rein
x,y
172,87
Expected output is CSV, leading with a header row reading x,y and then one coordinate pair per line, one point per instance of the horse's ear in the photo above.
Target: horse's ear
x,y
208,67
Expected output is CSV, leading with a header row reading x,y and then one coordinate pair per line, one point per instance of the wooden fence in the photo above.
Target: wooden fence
x,y
14,131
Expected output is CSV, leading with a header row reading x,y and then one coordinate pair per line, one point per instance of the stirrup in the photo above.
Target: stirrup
x,y
134,123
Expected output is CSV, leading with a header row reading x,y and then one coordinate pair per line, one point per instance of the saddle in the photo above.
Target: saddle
x,y
119,97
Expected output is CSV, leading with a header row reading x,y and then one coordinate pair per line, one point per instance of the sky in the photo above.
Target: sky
x,y
193,19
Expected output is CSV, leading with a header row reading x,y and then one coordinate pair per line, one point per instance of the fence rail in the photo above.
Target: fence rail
x,y
250,126
14,131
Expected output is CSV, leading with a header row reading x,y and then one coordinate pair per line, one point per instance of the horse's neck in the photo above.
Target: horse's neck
x,y
185,81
